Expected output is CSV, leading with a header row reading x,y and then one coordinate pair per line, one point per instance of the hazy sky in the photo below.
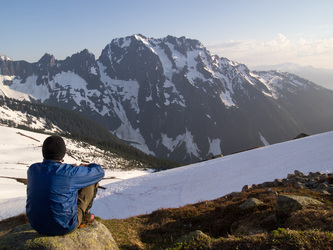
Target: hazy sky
x,y
253,32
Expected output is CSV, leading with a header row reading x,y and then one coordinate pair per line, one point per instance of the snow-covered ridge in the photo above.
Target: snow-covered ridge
x,y
18,118
323,77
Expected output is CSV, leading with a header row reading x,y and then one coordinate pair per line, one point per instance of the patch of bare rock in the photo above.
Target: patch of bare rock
x,y
285,204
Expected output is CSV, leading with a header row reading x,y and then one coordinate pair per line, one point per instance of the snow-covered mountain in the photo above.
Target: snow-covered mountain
x,y
172,98
323,77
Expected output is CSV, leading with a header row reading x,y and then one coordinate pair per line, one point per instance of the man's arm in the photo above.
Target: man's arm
x,y
86,175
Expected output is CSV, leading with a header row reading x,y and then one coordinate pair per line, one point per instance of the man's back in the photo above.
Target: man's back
x,y
52,194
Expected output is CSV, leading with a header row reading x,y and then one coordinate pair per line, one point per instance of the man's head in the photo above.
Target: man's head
x,y
54,148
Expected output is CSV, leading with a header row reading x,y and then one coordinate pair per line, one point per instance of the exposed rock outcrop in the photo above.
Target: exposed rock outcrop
x,y
95,236
320,182
285,204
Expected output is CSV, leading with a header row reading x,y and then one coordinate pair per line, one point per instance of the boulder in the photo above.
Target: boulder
x,y
299,173
285,204
251,203
234,194
95,236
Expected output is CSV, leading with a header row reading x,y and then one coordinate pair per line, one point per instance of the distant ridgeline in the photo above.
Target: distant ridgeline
x,y
77,127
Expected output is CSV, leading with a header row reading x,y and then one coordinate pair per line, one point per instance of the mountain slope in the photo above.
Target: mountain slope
x,y
172,98
48,119
215,178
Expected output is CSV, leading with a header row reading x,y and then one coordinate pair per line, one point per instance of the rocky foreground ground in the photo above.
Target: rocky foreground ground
x,y
291,213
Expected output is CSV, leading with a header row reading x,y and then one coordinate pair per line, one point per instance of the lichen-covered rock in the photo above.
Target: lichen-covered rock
x,y
285,204
95,236
250,203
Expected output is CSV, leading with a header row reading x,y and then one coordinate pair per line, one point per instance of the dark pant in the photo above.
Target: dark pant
x,y
85,200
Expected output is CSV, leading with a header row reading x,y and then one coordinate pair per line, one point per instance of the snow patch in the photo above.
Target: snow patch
x,y
129,90
264,141
227,99
127,133
187,138
179,99
93,71
23,91
214,146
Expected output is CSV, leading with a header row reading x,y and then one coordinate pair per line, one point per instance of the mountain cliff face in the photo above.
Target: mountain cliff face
x,y
172,98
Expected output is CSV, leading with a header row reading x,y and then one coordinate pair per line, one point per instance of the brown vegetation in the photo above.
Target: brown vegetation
x,y
225,224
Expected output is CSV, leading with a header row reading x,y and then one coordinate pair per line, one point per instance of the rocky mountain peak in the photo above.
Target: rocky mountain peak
x,y
47,59
172,98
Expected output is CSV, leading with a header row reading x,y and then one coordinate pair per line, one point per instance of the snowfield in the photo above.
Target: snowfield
x,y
139,192
20,148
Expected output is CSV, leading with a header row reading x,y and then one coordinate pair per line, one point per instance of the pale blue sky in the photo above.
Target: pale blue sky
x,y
253,32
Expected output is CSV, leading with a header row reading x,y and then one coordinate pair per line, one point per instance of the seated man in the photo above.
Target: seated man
x,y
60,195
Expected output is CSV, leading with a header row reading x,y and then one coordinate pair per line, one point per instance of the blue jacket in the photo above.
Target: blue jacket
x,y
52,193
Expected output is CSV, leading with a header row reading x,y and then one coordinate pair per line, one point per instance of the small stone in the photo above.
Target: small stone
x,y
323,178
277,182
330,190
311,174
289,176
322,186
268,184
285,182
246,188
330,179
300,185
299,173
234,194
323,191
269,220
313,181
